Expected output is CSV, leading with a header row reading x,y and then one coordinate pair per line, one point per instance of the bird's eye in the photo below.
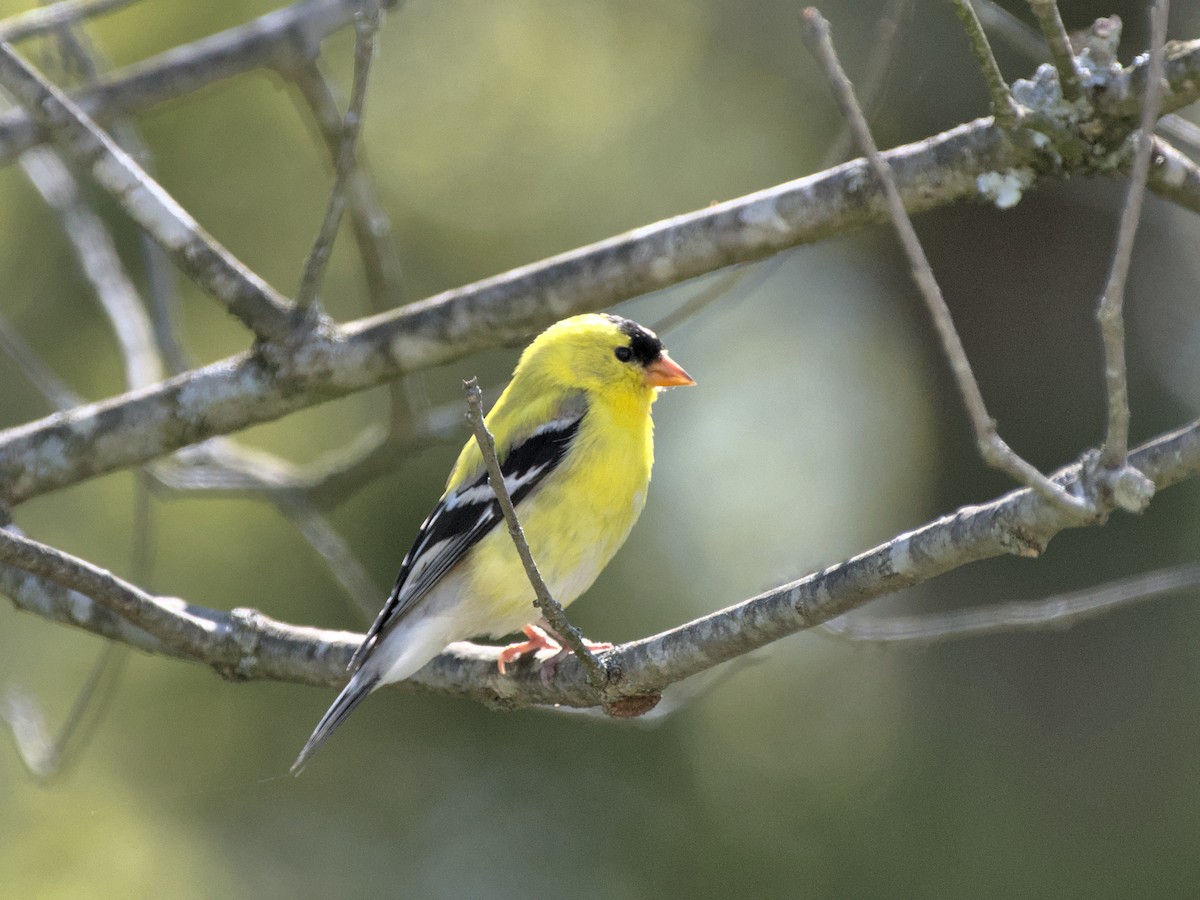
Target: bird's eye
x,y
624,354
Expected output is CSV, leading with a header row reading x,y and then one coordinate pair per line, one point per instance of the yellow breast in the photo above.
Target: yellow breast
x,y
574,522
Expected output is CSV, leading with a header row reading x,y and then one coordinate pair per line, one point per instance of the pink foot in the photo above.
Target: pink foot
x,y
537,640
540,639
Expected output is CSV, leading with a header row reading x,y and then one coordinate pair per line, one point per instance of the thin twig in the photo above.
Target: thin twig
x,y
46,756
365,28
993,449
1055,613
1112,301
33,22
209,264
101,265
883,55
998,19
291,32
1055,33
596,672
719,288
1004,107
368,218
35,369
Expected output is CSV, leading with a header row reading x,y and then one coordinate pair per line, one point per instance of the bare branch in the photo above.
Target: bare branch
x,y
883,55
993,449
1112,302
44,755
1055,613
33,22
366,26
35,369
242,391
276,39
169,621
369,221
194,251
101,265
1055,33
992,15
596,673
245,644
1004,108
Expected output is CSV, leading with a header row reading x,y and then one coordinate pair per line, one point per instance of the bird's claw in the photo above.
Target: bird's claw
x,y
538,639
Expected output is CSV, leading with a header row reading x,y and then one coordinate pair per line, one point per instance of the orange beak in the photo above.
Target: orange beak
x,y
665,372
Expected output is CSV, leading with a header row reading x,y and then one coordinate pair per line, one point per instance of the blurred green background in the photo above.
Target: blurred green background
x,y
1060,764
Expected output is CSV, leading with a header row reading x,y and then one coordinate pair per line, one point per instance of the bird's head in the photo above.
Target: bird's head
x,y
602,354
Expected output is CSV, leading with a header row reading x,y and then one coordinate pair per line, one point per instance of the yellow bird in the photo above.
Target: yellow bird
x,y
576,443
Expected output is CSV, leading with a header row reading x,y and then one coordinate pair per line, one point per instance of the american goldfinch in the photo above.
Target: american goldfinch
x,y
575,443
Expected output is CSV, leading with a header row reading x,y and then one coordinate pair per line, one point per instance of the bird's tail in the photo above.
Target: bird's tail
x,y
352,694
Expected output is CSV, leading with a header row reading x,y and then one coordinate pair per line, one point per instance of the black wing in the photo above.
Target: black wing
x,y
463,517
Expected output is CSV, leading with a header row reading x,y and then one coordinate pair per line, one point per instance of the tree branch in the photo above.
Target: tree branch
x,y
245,644
1048,613
1004,108
345,159
274,40
1111,312
205,261
1055,33
220,398
33,22
961,164
368,220
994,450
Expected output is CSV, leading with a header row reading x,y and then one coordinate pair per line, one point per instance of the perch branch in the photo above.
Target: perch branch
x,y
246,644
